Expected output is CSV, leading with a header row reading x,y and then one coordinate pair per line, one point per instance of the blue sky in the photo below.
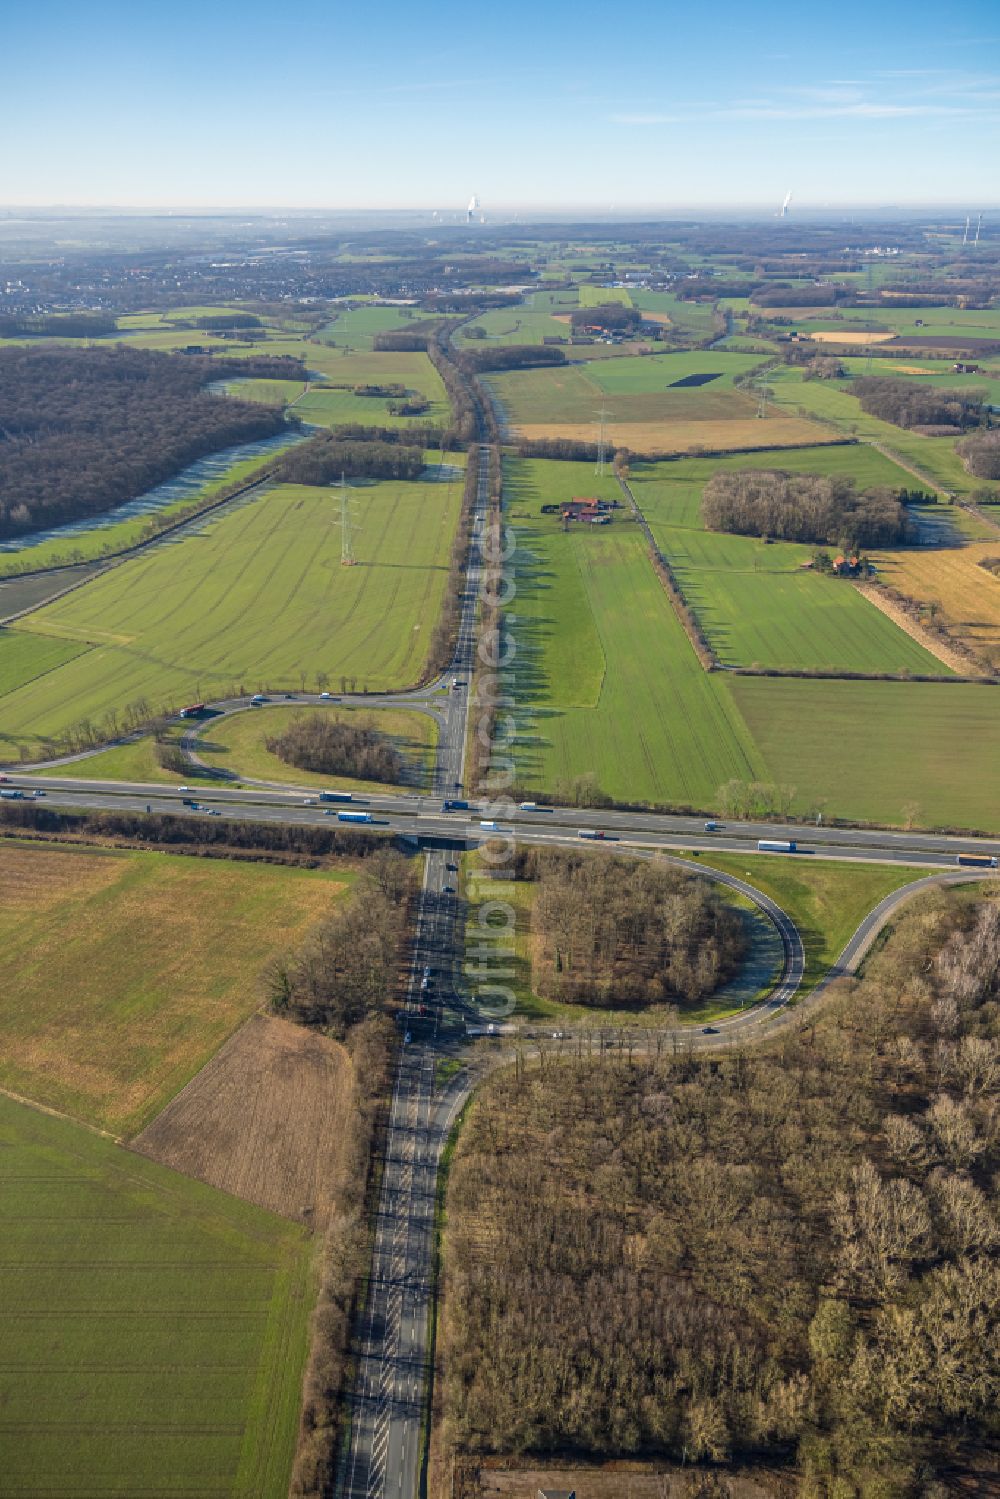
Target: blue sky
x,y
543,105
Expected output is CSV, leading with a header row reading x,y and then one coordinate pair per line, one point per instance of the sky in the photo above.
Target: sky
x,y
556,104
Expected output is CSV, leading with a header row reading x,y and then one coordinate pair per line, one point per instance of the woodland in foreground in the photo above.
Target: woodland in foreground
x,y
787,1256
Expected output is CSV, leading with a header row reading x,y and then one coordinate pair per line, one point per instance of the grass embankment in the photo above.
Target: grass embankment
x,y
126,970
257,598
154,1330
826,899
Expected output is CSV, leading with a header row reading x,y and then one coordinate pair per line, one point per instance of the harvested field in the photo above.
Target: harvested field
x,y
966,595
852,338
691,436
888,606
266,1119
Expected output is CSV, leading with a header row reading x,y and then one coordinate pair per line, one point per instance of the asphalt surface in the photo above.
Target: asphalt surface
x,y
420,816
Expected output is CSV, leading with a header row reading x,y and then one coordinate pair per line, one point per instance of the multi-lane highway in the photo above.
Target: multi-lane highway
x,y
421,816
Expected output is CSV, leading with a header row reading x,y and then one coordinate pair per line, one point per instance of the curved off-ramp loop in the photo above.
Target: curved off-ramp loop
x,y
420,701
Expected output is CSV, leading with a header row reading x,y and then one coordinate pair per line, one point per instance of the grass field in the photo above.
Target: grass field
x,y
356,329
125,971
754,601
893,752
266,392
605,679
154,1330
634,388
26,658
832,402
328,407
237,744
257,597
758,609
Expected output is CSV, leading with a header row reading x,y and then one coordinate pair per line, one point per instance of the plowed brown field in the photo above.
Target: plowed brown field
x,y
266,1119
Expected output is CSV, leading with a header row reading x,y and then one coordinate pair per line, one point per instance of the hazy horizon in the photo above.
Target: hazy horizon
x,y
227,106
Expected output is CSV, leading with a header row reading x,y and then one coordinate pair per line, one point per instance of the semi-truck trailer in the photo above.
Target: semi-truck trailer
x,y
336,796
13,796
775,846
978,861
354,817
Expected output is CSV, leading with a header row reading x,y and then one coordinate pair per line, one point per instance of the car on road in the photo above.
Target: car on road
x,y
709,1030
449,890
212,811
183,788
309,801
4,779
452,868
38,791
713,827
592,833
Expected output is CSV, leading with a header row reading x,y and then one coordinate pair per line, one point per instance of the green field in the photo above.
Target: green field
x,y
356,328
256,598
605,680
754,601
126,971
607,684
894,752
832,402
125,762
758,609
154,1330
936,322
634,387
27,658
334,402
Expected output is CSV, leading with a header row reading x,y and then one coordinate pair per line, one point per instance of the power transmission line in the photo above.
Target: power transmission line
x,y
347,557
